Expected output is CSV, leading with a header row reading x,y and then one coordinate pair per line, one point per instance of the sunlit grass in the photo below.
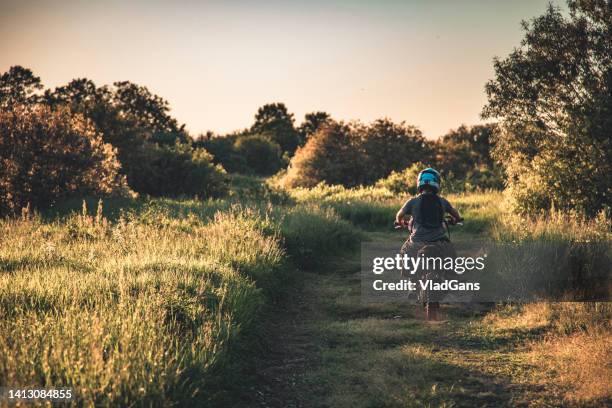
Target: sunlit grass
x,y
143,309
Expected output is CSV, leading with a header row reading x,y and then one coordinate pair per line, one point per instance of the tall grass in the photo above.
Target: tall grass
x,y
374,208
121,313
143,310
313,235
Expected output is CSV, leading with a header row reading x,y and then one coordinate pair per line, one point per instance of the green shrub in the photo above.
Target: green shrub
x,y
252,189
484,178
178,170
222,150
261,155
402,182
331,155
52,154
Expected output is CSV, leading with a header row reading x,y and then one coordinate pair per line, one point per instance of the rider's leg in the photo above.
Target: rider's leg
x,y
432,310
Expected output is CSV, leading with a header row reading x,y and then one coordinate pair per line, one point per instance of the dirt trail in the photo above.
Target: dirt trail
x,y
290,352
328,349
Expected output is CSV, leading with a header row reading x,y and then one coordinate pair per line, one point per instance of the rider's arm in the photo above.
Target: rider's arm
x,y
400,217
451,210
404,213
455,214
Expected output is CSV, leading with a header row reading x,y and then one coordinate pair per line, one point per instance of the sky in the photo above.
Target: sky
x,y
216,62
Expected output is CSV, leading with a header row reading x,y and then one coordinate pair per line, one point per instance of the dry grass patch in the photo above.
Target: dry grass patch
x,y
581,363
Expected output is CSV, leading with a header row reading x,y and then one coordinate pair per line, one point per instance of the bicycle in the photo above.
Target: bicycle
x,y
432,250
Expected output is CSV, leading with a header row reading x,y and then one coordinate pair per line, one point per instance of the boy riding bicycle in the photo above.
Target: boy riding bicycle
x,y
427,228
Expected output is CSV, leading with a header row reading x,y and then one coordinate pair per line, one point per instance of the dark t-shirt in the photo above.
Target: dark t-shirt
x,y
421,233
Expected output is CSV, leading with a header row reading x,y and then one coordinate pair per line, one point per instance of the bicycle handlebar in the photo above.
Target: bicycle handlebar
x,y
448,220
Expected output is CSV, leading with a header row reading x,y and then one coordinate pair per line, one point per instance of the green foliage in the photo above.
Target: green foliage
x,y
554,98
138,124
223,151
274,121
251,189
177,170
331,155
261,155
313,235
312,123
153,149
18,86
52,154
355,154
388,146
403,182
465,149
149,111
483,178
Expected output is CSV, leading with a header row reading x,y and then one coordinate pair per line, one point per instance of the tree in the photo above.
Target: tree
x,y
389,146
148,110
18,86
82,96
332,155
51,154
463,149
261,155
312,122
274,121
553,97
222,148
131,108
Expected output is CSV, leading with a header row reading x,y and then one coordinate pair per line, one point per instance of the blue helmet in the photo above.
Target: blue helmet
x,y
429,177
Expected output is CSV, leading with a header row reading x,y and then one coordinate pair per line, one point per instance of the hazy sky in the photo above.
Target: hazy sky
x,y
425,62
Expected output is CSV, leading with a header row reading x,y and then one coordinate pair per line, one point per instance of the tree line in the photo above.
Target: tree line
x,y
125,134
549,144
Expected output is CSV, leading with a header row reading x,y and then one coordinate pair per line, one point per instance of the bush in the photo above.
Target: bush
x,y
331,155
222,149
50,154
484,178
462,150
261,155
178,170
402,182
252,189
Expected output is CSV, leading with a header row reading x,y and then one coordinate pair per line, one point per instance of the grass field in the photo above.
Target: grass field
x,y
164,302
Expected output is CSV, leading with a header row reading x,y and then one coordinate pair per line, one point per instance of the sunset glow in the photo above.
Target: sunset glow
x,y
217,62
